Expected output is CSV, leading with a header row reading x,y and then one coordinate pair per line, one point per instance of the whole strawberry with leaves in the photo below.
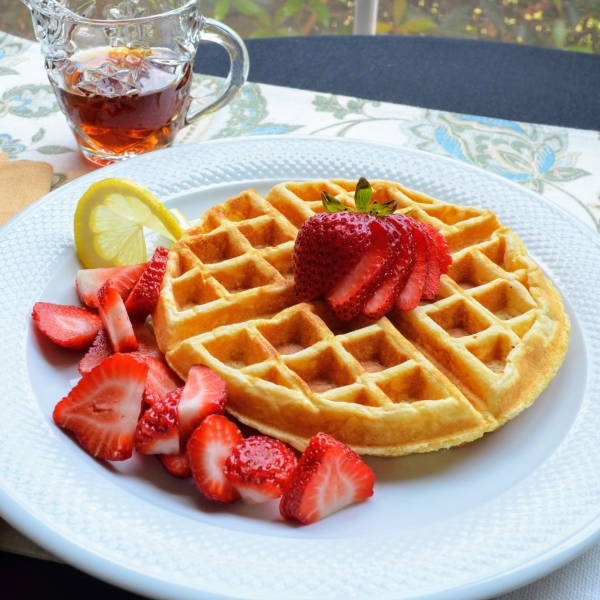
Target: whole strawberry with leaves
x,y
367,259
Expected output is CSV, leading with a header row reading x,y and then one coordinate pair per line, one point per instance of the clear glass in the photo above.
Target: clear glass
x,y
122,71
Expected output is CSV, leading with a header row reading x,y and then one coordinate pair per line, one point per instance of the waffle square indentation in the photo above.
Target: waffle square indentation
x,y
216,247
244,275
492,351
321,371
459,319
472,270
191,290
282,260
265,233
292,334
411,385
375,352
505,299
238,350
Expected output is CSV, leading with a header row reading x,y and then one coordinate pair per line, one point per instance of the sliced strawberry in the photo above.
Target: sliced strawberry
x,y
431,285
89,281
411,293
208,448
98,351
102,410
329,476
177,465
327,248
144,296
259,467
146,340
445,258
160,381
348,297
203,394
382,300
157,431
115,319
68,326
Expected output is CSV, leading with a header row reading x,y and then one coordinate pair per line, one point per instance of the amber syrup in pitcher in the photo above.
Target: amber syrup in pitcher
x,y
125,101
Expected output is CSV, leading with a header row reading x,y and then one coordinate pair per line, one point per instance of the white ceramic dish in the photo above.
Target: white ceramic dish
x,y
468,523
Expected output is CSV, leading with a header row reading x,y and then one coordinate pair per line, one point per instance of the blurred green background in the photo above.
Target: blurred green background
x,y
568,24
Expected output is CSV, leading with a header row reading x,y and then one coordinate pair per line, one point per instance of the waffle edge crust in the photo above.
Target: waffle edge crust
x,y
439,376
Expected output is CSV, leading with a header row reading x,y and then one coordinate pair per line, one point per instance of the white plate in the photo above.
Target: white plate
x,y
471,522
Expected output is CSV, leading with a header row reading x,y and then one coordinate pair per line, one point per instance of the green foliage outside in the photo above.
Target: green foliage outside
x,y
568,24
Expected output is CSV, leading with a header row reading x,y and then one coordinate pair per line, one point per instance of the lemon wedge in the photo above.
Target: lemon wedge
x,y
110,219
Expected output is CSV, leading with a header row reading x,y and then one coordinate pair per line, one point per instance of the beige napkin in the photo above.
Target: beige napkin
x,y
21,183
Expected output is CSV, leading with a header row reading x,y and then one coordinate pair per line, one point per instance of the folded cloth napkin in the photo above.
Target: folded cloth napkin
x,y
21,183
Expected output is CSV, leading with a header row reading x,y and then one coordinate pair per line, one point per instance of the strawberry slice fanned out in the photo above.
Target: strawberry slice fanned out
x,y
329,476
68,326
157,431
431,285
115,319
382,300
348,297
203,394
89,281
444,256
208,448
102,410
411,293
144,296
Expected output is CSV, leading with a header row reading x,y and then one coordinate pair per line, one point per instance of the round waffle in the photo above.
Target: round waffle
x,y
441,375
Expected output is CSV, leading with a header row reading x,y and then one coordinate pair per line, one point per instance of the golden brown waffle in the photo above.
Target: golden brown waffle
x,y
438,376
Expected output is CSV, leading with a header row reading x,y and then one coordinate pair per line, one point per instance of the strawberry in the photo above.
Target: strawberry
x,y
89,281
203,394
147,345
98,351
102,410
177,465
411,293
208,448
350,294
329,476
259,467
160,381
382,300
431,285
115,319
68,326
328,246
445,258
331,244
144,296
157,431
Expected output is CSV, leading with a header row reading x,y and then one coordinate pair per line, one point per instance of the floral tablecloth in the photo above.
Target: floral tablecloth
x,y
561,164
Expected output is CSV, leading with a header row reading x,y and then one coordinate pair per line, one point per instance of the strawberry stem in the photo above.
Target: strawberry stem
x,y
362,200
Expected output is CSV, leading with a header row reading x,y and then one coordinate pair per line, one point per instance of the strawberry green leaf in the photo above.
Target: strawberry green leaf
x,y
362,195
332,204
385,208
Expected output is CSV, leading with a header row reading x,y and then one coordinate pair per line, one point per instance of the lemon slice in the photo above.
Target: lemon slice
x,y
110,219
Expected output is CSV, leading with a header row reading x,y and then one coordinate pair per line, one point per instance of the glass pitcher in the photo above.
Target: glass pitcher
x,y
122,70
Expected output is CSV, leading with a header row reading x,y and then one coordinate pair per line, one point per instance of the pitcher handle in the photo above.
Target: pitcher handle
x,y
213,31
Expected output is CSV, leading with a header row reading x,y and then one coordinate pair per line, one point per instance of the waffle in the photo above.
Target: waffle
x,y
435,377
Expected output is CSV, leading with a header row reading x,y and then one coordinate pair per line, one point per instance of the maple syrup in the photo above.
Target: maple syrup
x,y
122,101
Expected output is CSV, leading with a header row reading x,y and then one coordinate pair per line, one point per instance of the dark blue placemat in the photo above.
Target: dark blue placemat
x,y
505,81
